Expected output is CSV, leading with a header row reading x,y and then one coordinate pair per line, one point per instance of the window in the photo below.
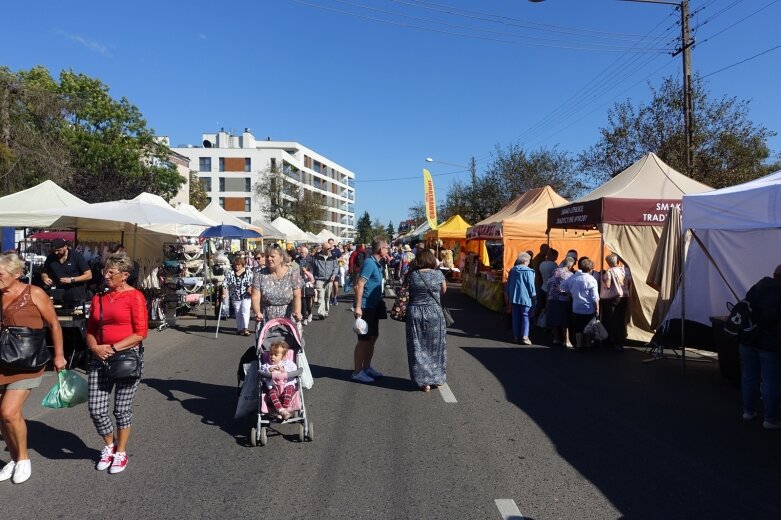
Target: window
x,y
204,164
206,183
231,184
222,184
247,204
222,202
248,220
222,164
247,164
208,200
247,184
273,162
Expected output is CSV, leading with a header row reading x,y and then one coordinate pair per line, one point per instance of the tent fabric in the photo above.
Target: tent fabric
x,y
268,231
416,234
219,216
751,205
179,230
15,208
750,223
640,195
325,235
664,274
291,232
454,227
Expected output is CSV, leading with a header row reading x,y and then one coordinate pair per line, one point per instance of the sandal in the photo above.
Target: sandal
x,y
425,388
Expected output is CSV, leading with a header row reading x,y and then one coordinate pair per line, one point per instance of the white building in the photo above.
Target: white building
x,y
230,166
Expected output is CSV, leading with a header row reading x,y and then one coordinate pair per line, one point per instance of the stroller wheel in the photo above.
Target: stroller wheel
x,y
263,436
301,437
253,437
310,431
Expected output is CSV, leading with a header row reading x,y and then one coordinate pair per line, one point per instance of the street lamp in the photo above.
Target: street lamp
x,y
685,51
429,159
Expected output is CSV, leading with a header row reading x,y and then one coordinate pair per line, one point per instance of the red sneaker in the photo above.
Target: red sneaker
x,y
119,464
106,458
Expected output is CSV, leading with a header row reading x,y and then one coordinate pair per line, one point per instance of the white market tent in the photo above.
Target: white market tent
x,y
740,226
15,208
268,231
326,235
217,214
314,239
182,230
292,232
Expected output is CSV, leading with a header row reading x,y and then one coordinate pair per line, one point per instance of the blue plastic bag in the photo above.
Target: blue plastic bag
x,y
70,390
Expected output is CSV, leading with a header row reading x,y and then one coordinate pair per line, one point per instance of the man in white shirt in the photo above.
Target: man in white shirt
x,y
585,298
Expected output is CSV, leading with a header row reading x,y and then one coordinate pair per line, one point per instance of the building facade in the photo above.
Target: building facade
x,y
231,166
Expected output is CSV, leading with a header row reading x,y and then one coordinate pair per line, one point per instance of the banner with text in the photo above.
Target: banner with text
x,y
429,200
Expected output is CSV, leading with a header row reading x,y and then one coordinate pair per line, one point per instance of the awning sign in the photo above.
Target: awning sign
x,y
428,199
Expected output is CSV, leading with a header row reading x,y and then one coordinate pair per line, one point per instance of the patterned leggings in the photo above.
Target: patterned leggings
x,y
287,396
100,393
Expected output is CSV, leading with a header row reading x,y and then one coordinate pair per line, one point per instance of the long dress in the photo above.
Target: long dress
x,y
426,330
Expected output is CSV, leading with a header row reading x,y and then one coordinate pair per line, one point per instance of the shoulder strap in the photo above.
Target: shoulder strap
x,y
2,323
428,287
100,324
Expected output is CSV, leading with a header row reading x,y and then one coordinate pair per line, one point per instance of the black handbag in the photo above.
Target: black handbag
x,y
22,348
124,366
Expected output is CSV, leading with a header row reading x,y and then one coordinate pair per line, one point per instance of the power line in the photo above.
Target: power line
x,y
742,61
718,13
737,22
408,178
465,35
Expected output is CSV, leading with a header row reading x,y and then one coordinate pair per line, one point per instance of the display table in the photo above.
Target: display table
x,y
489,293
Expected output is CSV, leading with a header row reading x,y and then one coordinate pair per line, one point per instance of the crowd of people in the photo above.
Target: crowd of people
x,y
565,297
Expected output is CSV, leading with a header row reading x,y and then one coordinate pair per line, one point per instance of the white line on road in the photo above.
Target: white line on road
x,y
508,509
447,394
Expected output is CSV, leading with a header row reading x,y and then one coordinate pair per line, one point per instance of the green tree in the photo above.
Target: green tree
x,y
378,230
363,230
198,195
74,132
307,210
417,212
390,230
270,191
728,147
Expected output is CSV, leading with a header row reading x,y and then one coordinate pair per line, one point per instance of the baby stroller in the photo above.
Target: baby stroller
x,y
275,330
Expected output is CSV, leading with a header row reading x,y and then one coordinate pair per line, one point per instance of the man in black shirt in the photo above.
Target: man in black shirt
x,y
66,269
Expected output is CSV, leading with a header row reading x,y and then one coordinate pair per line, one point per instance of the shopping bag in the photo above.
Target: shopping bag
x,y
542,321
307,381
52,397
596,329
74,389
248,398
399,310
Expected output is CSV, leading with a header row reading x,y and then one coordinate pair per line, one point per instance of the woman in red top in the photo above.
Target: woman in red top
x,y
124,327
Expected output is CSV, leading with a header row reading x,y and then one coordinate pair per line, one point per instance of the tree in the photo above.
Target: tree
x,y
198,195
269,191
728,147
378,230
390,230
307,210
417,212
74,132
363,230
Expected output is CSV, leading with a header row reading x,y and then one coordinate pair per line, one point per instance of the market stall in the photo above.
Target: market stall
x,y
451,234
629,211
292,232
520,226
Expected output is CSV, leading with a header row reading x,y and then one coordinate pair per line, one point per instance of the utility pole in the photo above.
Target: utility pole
x,y
473,196
688,114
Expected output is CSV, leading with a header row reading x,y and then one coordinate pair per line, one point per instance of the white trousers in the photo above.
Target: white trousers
x,y
241,309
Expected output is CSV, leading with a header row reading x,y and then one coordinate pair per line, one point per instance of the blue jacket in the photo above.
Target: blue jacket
x,y
520,285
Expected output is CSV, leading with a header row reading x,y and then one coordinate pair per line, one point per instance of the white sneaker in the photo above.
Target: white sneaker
x,y
7,471
362,377
22,471
119,463
749,416
768,425
372,372
106,458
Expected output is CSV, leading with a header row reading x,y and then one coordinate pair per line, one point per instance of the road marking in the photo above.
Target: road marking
x,y
447,394
508,509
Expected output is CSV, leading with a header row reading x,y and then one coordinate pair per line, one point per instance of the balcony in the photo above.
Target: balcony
x,y
293,174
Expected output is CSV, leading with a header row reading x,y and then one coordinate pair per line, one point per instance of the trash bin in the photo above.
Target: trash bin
x,y
727,349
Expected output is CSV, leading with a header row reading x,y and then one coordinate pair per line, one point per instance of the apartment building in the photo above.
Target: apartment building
x,y
230,166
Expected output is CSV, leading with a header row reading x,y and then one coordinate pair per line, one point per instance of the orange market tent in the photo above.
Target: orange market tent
x,y
451,232
522,225
630,210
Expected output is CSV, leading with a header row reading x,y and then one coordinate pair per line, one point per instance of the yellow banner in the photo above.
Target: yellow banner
x,y
429,200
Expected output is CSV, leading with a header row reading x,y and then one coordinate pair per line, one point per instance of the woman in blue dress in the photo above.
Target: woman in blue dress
x,y
426,330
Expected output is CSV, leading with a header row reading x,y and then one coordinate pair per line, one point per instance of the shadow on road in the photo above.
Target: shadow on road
x,y
389,382
55,444
215,404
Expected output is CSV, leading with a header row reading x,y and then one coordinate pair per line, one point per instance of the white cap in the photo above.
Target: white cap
x,y
360,326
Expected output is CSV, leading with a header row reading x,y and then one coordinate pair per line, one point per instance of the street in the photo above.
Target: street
x,y
557,434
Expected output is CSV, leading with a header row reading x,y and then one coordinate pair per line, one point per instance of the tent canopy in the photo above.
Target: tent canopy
x,y
417,233
751,205
640,195
267,230
527,211
291,232
15,208
454,227
326,235
740,218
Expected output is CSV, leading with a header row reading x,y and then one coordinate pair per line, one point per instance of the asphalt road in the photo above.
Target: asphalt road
x,y
548,433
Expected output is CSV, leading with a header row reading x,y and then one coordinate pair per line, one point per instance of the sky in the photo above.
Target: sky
x,y
379,85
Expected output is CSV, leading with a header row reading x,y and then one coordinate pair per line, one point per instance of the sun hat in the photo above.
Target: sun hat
x,y
360,326
407,247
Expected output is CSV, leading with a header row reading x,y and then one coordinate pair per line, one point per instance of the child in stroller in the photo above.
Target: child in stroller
x,y
279,387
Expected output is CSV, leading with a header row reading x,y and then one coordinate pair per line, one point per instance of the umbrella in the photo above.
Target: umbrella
x,y
228,231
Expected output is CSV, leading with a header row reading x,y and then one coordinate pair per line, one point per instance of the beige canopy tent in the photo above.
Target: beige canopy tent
x,y
630,210
522,225
292,232
15,208
326,235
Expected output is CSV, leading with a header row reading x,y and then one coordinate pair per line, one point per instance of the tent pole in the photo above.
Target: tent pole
x,y
135,234
683,301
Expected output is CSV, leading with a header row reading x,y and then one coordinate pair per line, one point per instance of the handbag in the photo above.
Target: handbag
x,y
596,329
399,310
445,313
124,366
22,348
542,321
614,291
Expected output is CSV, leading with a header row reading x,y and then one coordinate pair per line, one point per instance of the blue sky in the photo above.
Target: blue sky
x,y
377,95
